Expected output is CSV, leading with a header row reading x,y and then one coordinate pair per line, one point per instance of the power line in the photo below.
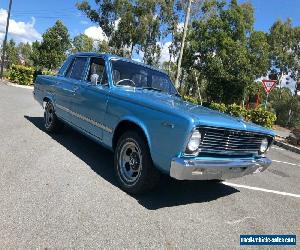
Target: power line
x,y
5,39
48,17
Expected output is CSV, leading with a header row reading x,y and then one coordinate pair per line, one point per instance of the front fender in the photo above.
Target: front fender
x,y
165,141
139,123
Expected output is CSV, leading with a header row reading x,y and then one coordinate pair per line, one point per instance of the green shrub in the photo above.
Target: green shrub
x,y
259,116
48,72
218,106
191,99
21,74
236,110
6,74
262,117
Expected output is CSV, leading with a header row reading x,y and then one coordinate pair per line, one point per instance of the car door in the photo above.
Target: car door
x,y
90,100
64,90
70,84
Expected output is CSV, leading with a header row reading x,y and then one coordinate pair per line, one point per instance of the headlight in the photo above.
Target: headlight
x,y
264,145
194,142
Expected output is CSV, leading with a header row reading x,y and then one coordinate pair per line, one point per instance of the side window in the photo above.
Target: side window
x,y
77,68
160,83
68,72
140,79
97,66
65,66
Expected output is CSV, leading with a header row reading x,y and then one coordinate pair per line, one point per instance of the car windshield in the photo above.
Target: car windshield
x,y
134,75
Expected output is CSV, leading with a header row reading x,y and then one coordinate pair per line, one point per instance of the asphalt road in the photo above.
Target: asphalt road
x,y
58,191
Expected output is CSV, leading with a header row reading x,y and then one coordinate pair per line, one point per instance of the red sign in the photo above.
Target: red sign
x,y
269,85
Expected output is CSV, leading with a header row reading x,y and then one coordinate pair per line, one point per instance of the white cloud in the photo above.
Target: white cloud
x,y
19,31
137,55
116,25
96,33
180,27
165,54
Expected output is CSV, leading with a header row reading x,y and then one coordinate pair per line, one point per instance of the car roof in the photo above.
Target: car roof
x,y
111,56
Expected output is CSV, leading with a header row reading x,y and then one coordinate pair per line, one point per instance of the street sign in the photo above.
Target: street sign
x,y
269,85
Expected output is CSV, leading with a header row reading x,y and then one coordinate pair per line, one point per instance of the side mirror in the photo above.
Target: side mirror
x,y
94,79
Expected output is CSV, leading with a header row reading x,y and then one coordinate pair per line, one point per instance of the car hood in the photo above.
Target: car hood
x,y
200,115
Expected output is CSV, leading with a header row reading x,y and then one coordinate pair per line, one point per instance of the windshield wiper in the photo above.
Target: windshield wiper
x,y
159,90
151,88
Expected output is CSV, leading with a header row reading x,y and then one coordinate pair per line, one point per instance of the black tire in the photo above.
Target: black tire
x,y
51,123
147,176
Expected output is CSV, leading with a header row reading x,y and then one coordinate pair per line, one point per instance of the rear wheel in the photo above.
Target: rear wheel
x,y
133,164
52,123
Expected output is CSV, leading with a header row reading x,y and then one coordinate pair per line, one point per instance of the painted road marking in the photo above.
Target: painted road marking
x,y
286,163
277,148
261,189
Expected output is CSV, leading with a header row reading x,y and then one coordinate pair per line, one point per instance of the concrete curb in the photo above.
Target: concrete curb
x,y
4,81
19,86
287,146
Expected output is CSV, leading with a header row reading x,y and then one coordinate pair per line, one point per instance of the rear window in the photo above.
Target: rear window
x,y
65,66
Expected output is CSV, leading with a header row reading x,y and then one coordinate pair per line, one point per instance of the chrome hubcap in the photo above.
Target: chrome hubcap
x,y
130,162
48,115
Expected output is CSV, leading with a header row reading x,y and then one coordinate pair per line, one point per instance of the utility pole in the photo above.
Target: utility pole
x,y
5,40
186,22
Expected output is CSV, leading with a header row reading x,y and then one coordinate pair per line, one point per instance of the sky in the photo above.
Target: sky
x,y
30,18
42,14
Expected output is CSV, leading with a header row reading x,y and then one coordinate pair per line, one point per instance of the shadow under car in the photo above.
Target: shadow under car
x,y
168,193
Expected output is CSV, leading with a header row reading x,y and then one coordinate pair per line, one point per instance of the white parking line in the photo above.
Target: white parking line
x,y
261,189
286,163
277,148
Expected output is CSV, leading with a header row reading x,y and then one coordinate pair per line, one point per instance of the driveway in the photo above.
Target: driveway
x,y
58,191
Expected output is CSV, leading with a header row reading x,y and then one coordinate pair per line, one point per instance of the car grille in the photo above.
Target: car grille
x,y
233,141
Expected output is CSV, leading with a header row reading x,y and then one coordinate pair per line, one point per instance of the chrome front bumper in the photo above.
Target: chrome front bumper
x,y
216,168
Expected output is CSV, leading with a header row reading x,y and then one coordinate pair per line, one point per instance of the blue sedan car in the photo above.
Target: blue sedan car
x,y
135,111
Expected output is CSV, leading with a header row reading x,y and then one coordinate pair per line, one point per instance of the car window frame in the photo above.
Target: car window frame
x,y
124,60
106,70
65,66
71,65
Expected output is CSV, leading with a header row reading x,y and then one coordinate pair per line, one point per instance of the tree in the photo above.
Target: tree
x,y
52,50
82,43
103,47
282,104
281,47
25,51
224,49
295,70
11,55
133,25
35,54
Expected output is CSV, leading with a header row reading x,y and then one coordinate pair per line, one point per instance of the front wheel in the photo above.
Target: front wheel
x,y
133,164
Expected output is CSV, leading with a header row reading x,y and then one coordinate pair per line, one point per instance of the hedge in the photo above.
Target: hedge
x,y
25,75
259,116
191,99
262,117
218,106
21,74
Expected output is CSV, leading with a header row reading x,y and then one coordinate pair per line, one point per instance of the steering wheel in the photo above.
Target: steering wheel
x,y
128,80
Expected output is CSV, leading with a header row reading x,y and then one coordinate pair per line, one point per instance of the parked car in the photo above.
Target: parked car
x,y
135,111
